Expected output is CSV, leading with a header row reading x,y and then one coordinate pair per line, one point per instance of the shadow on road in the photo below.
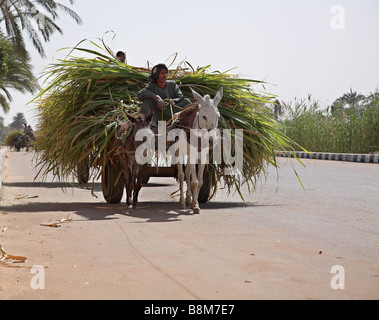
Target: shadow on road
x,y
52,185
145,212
96,187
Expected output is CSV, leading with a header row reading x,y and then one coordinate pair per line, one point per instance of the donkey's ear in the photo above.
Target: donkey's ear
x,y
131,118
149,116
198,97
218,97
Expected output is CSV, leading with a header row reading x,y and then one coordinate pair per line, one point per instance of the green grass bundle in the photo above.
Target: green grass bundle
x,y
85,99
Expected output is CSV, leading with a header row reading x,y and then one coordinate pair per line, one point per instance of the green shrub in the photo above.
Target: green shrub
x,y
9,140
345,131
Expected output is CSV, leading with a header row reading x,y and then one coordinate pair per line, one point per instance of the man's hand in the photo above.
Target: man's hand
x,y
159,101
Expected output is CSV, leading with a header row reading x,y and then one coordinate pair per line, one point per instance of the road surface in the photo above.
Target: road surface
x,y
283,242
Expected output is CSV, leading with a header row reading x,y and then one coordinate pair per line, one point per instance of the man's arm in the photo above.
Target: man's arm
x,y
146,93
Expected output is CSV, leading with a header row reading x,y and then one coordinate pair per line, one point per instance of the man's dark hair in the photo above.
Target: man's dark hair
x,y
156,71
119,54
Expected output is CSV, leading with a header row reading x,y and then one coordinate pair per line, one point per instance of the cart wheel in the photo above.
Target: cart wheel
x,y
112,193
83,171
206,187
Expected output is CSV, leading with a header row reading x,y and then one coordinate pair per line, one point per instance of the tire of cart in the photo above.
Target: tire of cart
x,y
113,189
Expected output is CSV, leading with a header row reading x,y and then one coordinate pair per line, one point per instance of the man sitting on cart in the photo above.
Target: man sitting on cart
x,y
163,95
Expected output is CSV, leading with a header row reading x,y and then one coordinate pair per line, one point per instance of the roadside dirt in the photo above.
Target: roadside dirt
x,y
274,246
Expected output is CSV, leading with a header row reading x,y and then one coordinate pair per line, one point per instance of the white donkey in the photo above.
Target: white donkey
x,y
206,118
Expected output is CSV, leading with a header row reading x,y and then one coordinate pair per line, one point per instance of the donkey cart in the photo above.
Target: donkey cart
x,y
121,169
113,187
88,96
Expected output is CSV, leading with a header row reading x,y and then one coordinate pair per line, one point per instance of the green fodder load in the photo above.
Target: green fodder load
x,y
86,97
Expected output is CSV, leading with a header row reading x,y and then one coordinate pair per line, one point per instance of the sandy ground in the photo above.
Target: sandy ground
x,y
277,245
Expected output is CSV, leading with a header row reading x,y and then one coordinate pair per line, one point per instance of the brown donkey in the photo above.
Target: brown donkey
x,y
126,146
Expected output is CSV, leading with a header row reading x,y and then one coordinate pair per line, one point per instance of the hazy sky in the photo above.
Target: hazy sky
x,y
300,47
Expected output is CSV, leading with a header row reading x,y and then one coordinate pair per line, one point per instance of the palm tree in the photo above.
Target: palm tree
x,y
18,121
351,100
373,97
28,15
15,73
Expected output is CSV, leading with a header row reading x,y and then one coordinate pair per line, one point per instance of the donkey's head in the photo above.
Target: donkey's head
x,y
126,131
138,122
208,111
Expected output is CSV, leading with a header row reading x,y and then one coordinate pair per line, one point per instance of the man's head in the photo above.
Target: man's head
x,y
157,70
121,56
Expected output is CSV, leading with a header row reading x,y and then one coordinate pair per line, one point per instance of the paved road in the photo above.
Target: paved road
x,y
282,243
